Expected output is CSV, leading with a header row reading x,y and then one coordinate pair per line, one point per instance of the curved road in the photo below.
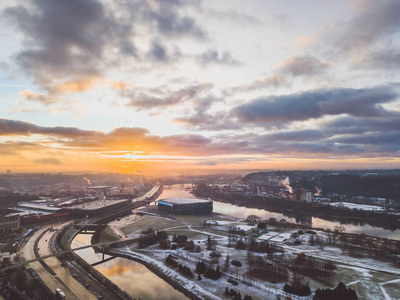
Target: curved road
x,y
55,275
58,277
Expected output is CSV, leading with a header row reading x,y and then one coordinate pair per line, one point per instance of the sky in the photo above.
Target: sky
x,y
174,85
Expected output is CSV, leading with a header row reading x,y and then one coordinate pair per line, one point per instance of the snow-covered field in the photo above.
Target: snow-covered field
x,y
371,279
357,206
276,236
245,227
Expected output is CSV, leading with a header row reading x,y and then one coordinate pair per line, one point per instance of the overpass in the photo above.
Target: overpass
x,y
112,243
89,227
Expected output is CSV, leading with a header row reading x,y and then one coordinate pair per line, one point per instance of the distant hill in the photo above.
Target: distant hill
x,y
259,176
354,183
386,186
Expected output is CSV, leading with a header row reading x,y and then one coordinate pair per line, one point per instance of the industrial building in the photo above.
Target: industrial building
x,y
186,206
9,222
299,194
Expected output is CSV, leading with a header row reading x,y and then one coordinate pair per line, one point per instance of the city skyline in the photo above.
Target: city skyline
x,y
180,85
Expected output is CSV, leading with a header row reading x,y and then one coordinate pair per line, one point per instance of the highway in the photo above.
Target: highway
x,y
57,276
40,252
60,277
85,277
42,255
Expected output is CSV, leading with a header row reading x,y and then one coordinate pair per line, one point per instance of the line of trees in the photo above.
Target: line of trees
x,y
172,261
264,269
340,292
300,290
149,237
313,267
209,272
236,295
364,246
251,244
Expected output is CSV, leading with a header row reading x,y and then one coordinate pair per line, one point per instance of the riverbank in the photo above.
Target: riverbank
x,y
296,209
185,287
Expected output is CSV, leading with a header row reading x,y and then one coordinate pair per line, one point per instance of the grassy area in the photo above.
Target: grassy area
x,y
212,230
108,235
197,220
393,290
157,223
192,235
65,238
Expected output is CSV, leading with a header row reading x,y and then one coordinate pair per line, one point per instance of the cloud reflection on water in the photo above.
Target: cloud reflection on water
x,y
138,281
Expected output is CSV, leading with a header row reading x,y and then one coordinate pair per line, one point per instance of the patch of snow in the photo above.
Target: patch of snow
x,y
357,206
364,272
245,227
223,223
268,235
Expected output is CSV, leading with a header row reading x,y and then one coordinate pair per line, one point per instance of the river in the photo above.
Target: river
x,y
243,212
131,276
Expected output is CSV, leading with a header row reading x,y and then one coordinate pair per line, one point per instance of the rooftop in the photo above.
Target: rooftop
x,y
184,200
37,206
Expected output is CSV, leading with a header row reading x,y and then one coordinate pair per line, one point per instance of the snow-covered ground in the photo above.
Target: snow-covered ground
x,y
276,236
245,227
357,206
219,223
208,288
371,279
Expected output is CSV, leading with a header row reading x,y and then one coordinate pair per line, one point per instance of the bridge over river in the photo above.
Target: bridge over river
x,y
117,243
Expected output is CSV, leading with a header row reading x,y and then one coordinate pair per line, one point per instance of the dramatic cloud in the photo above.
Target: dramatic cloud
x,y
358,126
164,15
303,65
375,24
199,117
71,41
55,91
298,135
273,81
66,36
32,96
215,83
387,59
315,104
153,98
291,67
214,57
160,53
202,120
131,144
13,127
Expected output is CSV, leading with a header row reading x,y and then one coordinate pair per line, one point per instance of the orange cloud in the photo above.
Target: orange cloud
x,y
55,91
31,148
75,85
32,96
119,85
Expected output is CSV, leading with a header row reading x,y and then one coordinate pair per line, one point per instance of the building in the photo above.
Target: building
x,y
299,194
186,206
9,222
303,195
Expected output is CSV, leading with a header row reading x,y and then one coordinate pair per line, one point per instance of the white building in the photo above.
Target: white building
x,y
9,222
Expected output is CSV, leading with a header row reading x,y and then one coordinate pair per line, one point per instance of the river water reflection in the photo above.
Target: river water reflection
x,y
132,277
243,212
